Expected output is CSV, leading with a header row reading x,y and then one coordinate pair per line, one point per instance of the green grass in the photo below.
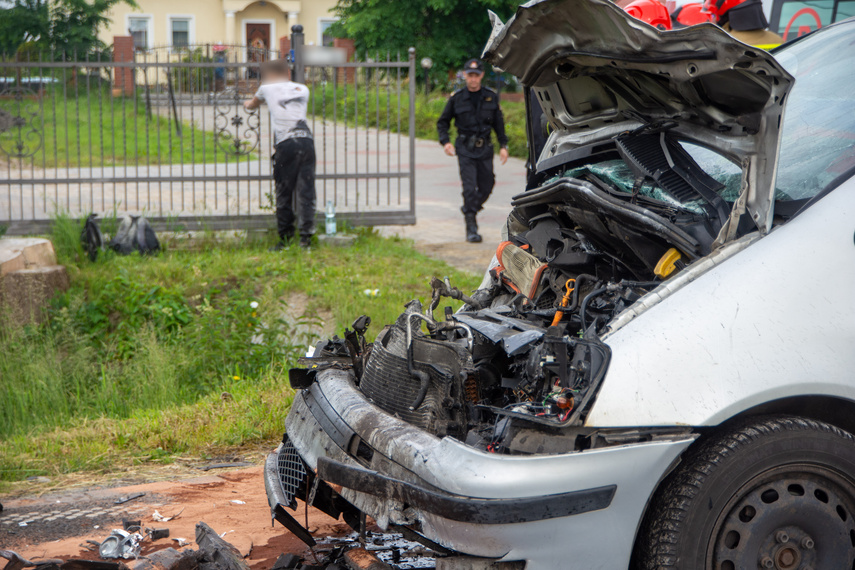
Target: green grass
x,y
134,362
352,102
86,128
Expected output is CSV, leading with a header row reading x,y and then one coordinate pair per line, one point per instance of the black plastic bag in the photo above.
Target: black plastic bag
x,y
91,237
135,234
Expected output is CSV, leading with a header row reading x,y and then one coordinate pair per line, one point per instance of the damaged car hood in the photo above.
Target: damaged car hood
x,y
597,72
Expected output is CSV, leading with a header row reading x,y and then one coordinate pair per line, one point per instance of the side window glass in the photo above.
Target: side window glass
x,y
797,18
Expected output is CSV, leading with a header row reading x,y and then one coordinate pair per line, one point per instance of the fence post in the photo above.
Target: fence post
x,y
412,127
123,77
350,48
298,68
284,47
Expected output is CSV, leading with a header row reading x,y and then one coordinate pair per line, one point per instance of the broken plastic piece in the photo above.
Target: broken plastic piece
x,y
121,544
122,500
158,533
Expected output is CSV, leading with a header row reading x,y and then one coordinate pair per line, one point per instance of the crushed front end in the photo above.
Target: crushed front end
x,y
468,431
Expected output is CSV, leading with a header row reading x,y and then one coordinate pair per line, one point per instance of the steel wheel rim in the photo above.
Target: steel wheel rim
x,y
793,517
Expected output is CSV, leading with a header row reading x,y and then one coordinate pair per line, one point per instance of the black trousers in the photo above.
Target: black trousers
x,y
294,177
476,175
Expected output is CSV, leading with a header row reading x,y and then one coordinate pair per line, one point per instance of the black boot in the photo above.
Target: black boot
x,y
472,235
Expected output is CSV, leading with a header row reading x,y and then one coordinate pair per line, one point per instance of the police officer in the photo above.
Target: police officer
x,y
476,113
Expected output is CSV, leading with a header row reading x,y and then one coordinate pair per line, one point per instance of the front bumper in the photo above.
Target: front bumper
x,y
576,511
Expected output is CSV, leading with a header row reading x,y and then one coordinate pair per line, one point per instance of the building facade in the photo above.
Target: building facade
x,y
256,23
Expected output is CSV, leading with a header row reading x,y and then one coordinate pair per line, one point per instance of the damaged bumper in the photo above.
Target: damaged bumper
x,y
466,500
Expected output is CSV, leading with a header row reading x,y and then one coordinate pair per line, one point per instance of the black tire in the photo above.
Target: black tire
x,y
773,493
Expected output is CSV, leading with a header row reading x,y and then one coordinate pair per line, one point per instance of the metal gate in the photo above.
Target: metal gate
x,y
166,135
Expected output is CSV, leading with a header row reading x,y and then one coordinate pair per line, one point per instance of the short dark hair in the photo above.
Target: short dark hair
x,y
275,67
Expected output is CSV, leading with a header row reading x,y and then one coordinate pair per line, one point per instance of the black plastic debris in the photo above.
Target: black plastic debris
x,y
123,500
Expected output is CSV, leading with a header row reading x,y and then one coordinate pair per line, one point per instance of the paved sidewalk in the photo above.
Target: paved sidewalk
x,y
439,230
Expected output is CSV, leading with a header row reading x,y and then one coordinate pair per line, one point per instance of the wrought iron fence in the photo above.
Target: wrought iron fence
x,y
167,135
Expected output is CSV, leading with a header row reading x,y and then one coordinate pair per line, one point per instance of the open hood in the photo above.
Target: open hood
x,y
598,72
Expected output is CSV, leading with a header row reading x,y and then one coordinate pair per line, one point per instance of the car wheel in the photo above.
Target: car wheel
x,y
773,493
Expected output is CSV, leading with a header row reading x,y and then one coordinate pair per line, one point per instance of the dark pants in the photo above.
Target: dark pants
x,y
294,176
476,175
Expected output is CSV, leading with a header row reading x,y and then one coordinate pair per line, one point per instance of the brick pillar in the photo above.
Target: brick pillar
x,y
346,74
284,46
123,77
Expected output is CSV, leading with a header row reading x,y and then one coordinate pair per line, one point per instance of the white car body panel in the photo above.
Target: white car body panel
x,y
776,320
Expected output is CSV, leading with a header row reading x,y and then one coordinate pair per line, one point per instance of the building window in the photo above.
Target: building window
x,y
180,32
324,25
139,27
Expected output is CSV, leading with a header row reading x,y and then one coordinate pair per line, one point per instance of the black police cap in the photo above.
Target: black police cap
x,y
473,66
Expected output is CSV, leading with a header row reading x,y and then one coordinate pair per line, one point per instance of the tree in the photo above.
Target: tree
x,y
447,31
74,25
62,26
22,21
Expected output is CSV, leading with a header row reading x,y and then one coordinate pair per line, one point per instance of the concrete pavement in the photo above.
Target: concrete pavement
x,y
439,230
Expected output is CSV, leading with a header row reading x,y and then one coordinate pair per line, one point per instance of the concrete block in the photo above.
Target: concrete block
x,y
25,253
26,293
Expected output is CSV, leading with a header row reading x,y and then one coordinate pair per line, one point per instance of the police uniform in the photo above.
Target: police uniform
x,y
475,115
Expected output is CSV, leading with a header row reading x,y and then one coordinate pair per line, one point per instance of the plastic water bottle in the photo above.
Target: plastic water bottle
x,y
330,218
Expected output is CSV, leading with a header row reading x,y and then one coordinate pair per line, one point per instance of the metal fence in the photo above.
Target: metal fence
x,y
166,135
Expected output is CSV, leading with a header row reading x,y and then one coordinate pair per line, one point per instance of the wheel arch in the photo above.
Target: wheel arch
x,y
834,410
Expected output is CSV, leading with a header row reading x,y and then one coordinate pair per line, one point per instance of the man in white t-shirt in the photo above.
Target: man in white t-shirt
x,y
294,159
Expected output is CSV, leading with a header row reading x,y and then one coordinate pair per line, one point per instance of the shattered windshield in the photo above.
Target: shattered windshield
x,y
818,140
621,177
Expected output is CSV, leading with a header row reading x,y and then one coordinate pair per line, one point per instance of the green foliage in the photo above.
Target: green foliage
x,y
65,236
148,357
3,230
74,25
24,21
428,111
196,79
448,31
87,126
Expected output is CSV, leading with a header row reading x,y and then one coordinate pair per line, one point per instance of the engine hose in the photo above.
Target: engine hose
x,y
586,300
580,279
421,375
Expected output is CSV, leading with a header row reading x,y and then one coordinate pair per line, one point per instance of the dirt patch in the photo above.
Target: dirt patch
x,y
471,257
307,321
232,502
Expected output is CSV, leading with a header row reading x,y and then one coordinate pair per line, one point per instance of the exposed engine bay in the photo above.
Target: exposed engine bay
x,y
524,354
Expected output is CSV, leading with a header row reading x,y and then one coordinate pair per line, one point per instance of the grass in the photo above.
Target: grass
x,y
352,106
91,128
148,358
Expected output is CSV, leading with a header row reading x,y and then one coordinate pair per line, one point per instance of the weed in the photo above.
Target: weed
x,y
185,352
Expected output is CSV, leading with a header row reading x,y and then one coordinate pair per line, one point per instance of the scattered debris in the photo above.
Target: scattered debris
x,y
361,559
168,559
215,553
123,500
16,562
158,533
237,502
224,465
121,544
38,479
156,516
286,562
181,541
131,525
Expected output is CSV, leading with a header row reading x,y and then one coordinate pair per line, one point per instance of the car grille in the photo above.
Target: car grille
x,y
292,472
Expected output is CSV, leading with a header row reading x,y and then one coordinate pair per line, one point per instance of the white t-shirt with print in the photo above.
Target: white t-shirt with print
x,y
287,102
